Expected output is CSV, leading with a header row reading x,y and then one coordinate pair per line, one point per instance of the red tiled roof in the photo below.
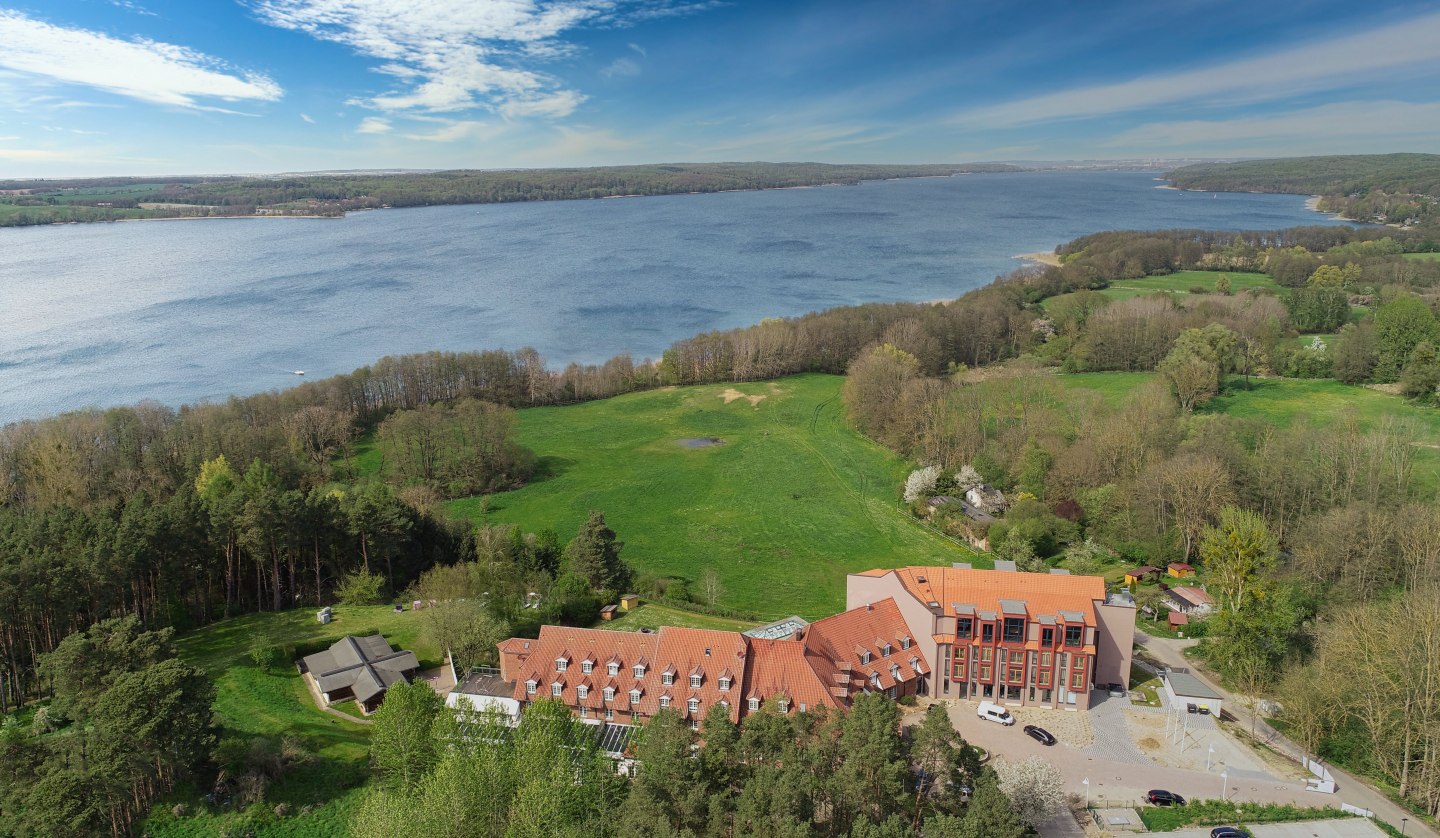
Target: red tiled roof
x,y
783,668
835,641
1042,593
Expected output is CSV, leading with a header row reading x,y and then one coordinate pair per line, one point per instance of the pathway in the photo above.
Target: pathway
x,y
1352,789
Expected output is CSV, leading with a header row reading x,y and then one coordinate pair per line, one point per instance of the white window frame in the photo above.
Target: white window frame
x,y
905,643
531,686
582,691
724,685
609,693
635,696
694,682
667,678
754,704
664,702
556,689
609,715
639,670
587,667
693,705
561,664
885,652
612,669
694,724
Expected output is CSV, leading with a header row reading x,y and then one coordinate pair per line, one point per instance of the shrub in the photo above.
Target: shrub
x,y
361,588
180,810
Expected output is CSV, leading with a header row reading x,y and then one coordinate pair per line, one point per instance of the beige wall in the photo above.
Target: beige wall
x,y
863,590
1117,643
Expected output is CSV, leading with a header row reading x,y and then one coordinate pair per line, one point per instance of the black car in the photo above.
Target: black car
x,y
1191,708
1040,734
1117,690
1228,832
1160,797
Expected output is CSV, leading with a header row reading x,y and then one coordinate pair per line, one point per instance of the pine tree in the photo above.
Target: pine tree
x,y
595,555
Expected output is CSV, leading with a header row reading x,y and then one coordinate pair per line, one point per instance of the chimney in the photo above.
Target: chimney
x,y
797,634
869,606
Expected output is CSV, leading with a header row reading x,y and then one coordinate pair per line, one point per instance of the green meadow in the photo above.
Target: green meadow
x,y
1423,257
785,504
1180,282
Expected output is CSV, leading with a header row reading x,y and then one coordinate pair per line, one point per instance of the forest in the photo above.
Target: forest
x,y
28,202
1317,534
1387,188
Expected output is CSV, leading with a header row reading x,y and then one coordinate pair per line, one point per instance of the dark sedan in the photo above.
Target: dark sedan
x,y
1040,734
1228,832
1160,797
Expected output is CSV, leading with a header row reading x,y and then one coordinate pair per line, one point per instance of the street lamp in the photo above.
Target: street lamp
x,y
1225,784
1209,755
1403,821
1086,783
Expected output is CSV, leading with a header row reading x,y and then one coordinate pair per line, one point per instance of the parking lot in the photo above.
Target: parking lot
x,y
1344,828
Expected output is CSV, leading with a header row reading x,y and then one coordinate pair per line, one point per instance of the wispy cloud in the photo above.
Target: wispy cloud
x,y
374,125
142,69
456,55
308,118
1372,121
621,68
639,49
1278,74
135,8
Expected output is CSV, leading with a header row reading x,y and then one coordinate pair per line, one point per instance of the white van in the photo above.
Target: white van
x,y
995,713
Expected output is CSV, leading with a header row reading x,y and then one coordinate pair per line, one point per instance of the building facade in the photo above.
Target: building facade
x,y
1007,636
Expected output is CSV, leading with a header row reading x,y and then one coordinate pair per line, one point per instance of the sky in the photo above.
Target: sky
x,y
136,87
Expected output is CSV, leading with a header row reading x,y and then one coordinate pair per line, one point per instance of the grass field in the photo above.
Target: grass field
x,y
1423,257
790,502
1180,283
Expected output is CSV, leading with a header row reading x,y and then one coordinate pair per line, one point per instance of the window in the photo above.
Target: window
x,y
587,666
556,689
885,651
865,657
725,704
895,671
986,653
694,682
635,697
693,705
584,712
668,679
609,693
890,693
609,715
612,668
1047,659
1017,674
694,724
724,684
1014,630
639,670
1077,680
1047,637
1073,635
987,633
530,687
561,664
985,671
582,691
754,703
964,628
904,643
875,680
1017,658
1043,678
784,705
664,701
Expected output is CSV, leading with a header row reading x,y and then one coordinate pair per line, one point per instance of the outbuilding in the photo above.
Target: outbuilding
x,y
1183,689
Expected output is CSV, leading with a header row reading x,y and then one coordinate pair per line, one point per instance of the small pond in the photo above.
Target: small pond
x,y
700,442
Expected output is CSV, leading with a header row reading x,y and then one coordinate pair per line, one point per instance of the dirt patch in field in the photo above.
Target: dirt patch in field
x,y
732,394
1149,743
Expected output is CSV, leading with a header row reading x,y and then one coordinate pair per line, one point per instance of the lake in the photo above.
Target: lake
x,y
181,311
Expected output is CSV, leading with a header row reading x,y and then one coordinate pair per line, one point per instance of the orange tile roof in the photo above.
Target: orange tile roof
x,y
782,668
1042,593
839,641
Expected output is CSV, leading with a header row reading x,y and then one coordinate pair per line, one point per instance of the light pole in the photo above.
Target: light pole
x,y
1209,755
1086,783
1225,784
1403,821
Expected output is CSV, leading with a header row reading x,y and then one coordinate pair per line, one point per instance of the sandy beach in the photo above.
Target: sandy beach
x,y
1043,258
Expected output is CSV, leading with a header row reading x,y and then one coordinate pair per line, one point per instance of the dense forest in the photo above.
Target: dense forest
x,y
176,518
27,202
1388,188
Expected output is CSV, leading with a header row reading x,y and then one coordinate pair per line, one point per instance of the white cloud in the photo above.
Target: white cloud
x,y
455,55
1276,74
639,49
130,6
308,118
1376,122
452,130
142,69
373,125
621,68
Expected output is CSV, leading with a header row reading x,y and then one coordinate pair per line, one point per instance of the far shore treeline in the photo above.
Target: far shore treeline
x,y
332,194
181,517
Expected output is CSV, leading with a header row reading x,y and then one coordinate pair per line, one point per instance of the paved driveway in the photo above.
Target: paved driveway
x,y
1344,828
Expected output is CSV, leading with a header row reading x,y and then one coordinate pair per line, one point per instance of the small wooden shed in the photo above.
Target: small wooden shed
x,y
1180,570
607,613
1137,575
629,602
1178,620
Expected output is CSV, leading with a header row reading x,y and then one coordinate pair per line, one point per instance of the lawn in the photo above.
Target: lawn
x,y
1179,282
1423,257
254,702
789,502
652,615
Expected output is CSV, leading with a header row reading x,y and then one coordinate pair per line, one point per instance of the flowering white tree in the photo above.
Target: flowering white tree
x,y
920,483
967,478
1035,788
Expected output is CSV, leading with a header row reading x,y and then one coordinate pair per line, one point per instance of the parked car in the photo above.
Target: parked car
x,y
1117,690
1040,734
1204,709
1228,832
1191,708
1160,797
995,713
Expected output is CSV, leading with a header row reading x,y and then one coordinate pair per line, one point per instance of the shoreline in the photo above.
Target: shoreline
x,y
1049,258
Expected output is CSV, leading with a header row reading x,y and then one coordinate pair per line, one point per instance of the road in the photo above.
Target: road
x,y
1352,789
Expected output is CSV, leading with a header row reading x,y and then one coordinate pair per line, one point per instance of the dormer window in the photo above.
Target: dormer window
x,y
693,705
609,693
784,705
587,666
612,668
561,663
557,688
904,643
695,724
885,652
664,702
754,703
875,679
639,670
530,686
895,671
724,684
694,682
635,696
914,663
725,704
582,691
865,657
668,679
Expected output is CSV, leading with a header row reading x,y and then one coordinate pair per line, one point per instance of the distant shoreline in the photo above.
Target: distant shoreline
x,y
1043,258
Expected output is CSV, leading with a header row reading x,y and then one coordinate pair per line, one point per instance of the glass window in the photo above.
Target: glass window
x,y
987,633
1014,630
1073,635
667,679
586,667
754,704
529,687
583,691
964,628
613,669
1047,658
1017,674
609,715
1017,658
555,689
664,701
985,672
986,653
1047,636
695,681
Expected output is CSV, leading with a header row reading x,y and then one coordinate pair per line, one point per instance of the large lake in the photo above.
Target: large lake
x,y
180,311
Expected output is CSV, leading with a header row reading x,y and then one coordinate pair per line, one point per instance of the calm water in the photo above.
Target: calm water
x,y
180,311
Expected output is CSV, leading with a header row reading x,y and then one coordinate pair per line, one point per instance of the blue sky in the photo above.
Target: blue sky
x,y
90,87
